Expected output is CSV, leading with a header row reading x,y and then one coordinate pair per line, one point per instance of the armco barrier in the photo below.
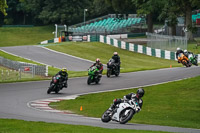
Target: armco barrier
x,y
165,54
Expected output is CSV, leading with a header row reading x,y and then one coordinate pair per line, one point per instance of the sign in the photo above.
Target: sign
x,y
26,68
77,38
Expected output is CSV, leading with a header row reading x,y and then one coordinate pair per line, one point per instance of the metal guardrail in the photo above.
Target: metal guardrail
x,y
15,65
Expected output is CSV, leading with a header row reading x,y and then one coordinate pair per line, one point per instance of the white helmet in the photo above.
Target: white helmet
x,y
115,53
185,50
178,49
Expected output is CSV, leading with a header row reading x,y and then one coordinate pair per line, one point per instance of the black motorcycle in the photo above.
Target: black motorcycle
x,y
112,68
56,84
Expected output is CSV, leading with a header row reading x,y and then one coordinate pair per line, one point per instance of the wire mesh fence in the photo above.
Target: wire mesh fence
x,y
24,67
166,42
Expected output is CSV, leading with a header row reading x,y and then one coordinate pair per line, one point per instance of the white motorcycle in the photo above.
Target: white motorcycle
x,y
122,113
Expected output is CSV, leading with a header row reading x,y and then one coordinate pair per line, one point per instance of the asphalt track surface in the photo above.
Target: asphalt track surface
x,y
15,96
51,58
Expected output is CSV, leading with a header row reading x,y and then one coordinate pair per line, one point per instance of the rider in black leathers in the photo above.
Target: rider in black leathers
x,y
137,97
116,58
64,76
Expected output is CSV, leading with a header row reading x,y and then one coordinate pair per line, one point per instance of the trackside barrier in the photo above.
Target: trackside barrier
x,y
165,54
15,65
90,38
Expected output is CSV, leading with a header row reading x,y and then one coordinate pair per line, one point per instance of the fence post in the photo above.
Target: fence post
x,y
46,73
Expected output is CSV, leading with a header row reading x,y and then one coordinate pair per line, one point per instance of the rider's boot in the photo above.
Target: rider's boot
x,y
112,107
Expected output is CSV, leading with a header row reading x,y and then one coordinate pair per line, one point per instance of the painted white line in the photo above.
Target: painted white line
x,y
66,54
69,55
54,111
41,102
39,105
44,108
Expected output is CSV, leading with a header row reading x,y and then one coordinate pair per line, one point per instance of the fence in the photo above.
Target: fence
x,y
166,42
6,75
36,70
165,54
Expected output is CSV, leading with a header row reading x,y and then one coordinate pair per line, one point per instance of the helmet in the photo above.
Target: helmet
x,y
140,92
64,70
97,60
185,50
115,53
178,49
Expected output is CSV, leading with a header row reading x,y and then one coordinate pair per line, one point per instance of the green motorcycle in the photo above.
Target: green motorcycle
x,y
93,75
193,59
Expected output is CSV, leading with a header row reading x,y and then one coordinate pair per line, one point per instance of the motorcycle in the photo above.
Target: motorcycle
x,y
193,59
112,68
122,112
93,75
184,60
56,84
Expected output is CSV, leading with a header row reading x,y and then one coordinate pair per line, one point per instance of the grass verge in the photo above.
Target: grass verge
x,y
131,61
172,104
20,126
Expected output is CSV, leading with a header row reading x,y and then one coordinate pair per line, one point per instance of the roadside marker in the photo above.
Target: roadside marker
x,y
81,108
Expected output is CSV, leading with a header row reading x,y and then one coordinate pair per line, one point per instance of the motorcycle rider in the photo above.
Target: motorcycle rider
x,y
116,58
99,65
186,53
64,76
136,97
178,52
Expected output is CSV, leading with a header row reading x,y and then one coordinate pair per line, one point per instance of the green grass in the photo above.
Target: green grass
x,y
15,36
20,126
172,104
131,61
192,47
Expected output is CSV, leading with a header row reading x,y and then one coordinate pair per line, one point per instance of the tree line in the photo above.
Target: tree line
x,y
43,12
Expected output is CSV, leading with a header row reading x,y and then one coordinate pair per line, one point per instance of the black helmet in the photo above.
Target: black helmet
x,y
140,92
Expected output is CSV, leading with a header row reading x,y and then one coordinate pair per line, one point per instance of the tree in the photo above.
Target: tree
x,y
187,6
3,6
169,13
149,7
122,6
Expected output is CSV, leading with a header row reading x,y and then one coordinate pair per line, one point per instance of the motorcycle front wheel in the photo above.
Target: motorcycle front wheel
x,y
89,81
125,117
50,89
105,117
108,73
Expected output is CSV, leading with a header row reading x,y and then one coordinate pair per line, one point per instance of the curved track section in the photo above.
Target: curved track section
x,y
49,57
15,96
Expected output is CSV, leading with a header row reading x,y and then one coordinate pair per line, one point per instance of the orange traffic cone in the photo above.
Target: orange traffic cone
x,y
81,108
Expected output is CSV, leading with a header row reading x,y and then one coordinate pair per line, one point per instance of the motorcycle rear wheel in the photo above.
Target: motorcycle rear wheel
x,y
125,118
117,74
105,117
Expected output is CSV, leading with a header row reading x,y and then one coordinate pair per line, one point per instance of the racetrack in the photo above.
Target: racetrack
x,y
15,96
